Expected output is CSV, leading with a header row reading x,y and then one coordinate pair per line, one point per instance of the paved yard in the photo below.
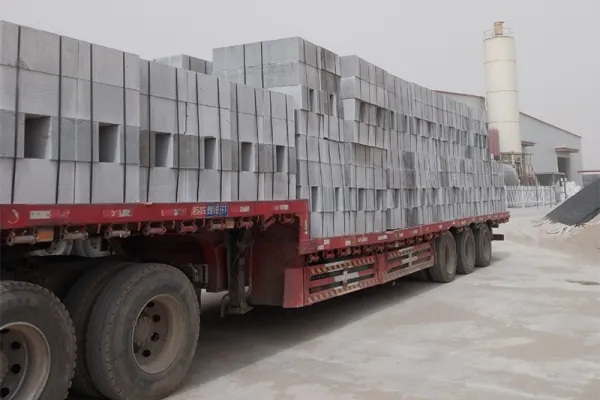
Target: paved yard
x,y
528,327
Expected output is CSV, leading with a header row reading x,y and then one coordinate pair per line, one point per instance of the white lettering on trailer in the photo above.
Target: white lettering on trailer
x,y
45,214
382,237
348,243
326,242
363,239
320,247
244,209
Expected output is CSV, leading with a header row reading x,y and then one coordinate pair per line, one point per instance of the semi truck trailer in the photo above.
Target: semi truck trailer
x,y
126,325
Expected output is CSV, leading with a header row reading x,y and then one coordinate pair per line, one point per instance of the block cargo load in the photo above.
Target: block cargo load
x,y
277,120
278,175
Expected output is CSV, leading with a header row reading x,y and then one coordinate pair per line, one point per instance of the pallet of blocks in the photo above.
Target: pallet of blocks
x,y
375,152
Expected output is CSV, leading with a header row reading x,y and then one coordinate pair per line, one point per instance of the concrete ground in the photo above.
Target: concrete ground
x,y
528,327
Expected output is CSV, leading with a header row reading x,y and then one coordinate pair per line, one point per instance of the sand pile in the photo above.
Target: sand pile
x,y
583,239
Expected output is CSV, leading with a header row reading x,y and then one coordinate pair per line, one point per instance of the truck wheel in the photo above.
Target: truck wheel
x,y
80,301
465,250
37,343
91,248
444,269
483,246
143,333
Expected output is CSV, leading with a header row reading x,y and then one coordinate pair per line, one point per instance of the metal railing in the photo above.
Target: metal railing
x,y
530,196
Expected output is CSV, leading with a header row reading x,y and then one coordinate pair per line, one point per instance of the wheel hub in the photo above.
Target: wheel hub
x,y
158,334
3,365
24,361
143,331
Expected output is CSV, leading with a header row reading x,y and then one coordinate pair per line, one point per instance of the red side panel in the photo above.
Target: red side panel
x,y
293,288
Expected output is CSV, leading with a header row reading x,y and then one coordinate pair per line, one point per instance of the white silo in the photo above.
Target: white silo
x,y
502,94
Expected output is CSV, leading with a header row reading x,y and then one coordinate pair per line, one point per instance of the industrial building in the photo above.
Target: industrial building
x,y
552,151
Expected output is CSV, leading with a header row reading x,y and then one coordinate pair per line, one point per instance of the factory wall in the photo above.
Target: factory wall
x,y
546,137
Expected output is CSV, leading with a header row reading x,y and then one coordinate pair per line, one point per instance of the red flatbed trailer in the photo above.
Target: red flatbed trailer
x,y
260,253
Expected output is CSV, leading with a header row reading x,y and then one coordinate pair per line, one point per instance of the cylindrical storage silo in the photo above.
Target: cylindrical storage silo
x,y
502,95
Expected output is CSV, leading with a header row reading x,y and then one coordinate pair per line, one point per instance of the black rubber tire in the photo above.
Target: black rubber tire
x,y
483,246
444,269
79,302
85,248
32,304
110,358
465,251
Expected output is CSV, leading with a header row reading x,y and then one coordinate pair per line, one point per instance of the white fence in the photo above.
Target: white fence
x,y
530,196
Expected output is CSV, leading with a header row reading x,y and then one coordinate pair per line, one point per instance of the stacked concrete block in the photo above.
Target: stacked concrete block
x,y
208,139
310,76
186,62
276,120
408,156
70,120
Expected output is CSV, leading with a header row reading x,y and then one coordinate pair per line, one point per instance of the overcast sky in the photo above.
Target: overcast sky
x,y
436,43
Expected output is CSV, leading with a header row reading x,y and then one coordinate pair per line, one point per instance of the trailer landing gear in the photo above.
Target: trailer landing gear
x,y
235,301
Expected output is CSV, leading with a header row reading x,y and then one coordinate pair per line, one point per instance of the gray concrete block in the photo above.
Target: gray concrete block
x,y
85,131
278,105
208,94
229,124
246,100
36,181
312,77
210,185
38,92
230,155
253,56
8,119
284,50
314,173
253,76
162,81
209,121
265,186
68,141
188,151
9,34
229,184
108,104
281,186
249,126
266,158
352,109
40,51
108,65
280,132
227,95
248,186
288,74
297,97
163,115
231,57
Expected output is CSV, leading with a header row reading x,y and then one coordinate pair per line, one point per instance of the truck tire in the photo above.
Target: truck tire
x,y
79,302
90,248
37,343
465,251
143,333
483,246
444,269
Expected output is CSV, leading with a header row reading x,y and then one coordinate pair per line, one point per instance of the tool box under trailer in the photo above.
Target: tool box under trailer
x,y
125,326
